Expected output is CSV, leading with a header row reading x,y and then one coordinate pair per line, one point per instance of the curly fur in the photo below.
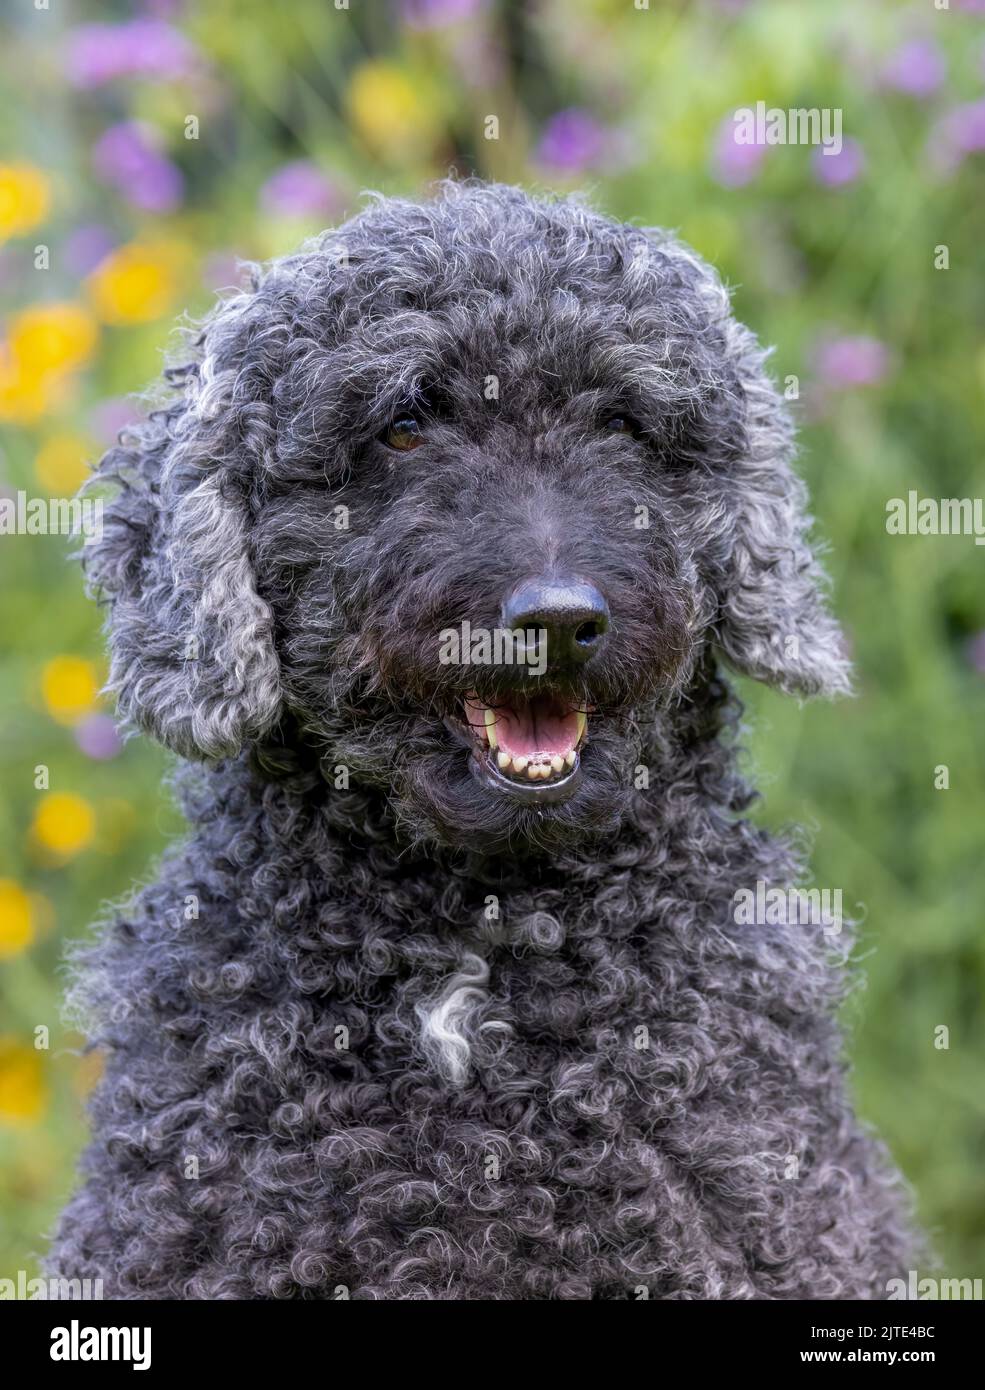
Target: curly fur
x,y
374,1031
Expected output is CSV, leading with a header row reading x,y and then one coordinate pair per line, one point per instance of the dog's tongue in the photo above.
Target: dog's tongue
x,y
538,725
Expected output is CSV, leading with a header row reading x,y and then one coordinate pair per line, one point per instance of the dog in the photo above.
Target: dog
x,y
429,566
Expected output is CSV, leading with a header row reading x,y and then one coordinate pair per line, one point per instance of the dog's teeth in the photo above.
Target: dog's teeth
x,y
490,718
520,763
533,772
582,724
557,763
503,759
569,758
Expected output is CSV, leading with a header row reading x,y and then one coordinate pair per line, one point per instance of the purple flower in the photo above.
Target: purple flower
x,y
97,737
571,142
960,132
976,652
164,9
845,362
126,158
967,126
733,164
86,247
477,56
916,68
300,189
107,418
433,14
146,47
836,170
8,267
221,271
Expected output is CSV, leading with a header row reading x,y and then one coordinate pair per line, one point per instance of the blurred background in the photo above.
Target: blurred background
x,y
148,145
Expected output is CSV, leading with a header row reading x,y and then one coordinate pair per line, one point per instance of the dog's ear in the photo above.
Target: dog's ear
x,y
773,621
192,655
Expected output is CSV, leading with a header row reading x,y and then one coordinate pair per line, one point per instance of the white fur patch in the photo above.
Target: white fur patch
x,y
446,1024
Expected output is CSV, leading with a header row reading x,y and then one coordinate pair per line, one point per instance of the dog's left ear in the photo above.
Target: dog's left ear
x,y
773,621
193,660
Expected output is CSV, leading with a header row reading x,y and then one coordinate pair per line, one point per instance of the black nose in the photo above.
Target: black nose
x,y
572,613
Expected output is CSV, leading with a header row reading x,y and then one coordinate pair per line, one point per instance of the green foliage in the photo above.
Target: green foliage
x,y
370,101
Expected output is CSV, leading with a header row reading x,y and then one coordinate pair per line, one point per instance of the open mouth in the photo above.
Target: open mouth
x,y
530,745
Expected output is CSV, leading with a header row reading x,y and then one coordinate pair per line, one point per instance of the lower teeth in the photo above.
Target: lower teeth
x,y
538,769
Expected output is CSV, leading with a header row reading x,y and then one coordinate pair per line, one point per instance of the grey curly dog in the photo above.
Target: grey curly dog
x,y
428,567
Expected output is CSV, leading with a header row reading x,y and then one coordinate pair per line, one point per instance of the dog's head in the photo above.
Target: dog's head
x,y
463,495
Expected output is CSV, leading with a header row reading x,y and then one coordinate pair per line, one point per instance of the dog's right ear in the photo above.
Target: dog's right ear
x,y
774,623
192,654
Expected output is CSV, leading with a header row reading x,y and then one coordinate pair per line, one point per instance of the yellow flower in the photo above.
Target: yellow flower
x,y
16,919
22,1089
25,196
60,464
23,398
64,824
70,688
52,337
44,345
139,282
389,113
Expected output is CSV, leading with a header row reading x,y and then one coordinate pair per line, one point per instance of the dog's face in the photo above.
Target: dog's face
x,y
464,495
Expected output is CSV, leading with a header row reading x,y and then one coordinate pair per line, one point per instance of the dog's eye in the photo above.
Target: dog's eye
x,y
405,433
621,424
